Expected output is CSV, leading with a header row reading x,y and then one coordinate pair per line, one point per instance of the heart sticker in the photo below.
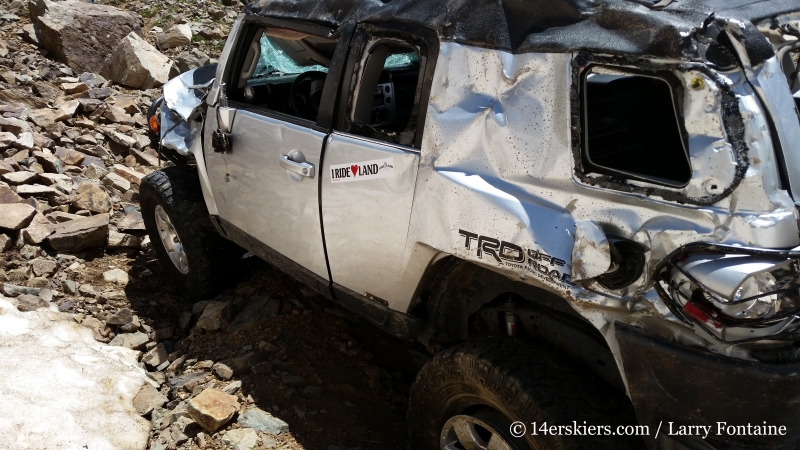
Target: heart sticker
x,y
354,168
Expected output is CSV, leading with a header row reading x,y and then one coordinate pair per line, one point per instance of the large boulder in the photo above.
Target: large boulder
x,y
16,215
79,33
176,36
137,64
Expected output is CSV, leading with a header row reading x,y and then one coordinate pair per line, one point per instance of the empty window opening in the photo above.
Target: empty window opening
x,y
632,128
384,106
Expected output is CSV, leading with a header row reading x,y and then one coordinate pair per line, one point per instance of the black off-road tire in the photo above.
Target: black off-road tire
x,y
515,381
212,260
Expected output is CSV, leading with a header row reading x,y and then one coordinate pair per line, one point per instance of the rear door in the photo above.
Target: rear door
x,y
371,159
267,187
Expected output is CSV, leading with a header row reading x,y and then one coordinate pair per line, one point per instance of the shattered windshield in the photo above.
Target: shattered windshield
x,y
401,60
275,62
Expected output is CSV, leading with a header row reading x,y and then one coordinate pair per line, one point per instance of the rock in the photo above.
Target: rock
x,y
311,392
117,182
92,198
297,381
29,34
133,341
128,174
99,330
211,33
35,190
79,234
74,88
28,302
87,290
8,196
15,216
231,388
212,409
38,230
122,317
42,117
136,64
122,240
21,97
176,36
191,377
156,356
241,439
66,110
118,276
131,221
147,399
13,291
24,141
70,157
21,177
214,317
191,59
222,371
119,138
48,161
255,310
7,139
6,242
92,80
80,34
262,421
116,114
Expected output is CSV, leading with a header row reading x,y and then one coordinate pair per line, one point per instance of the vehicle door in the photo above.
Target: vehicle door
x,y
265,179
371,158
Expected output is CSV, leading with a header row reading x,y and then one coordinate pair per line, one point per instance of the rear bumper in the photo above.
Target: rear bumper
x,y
672,385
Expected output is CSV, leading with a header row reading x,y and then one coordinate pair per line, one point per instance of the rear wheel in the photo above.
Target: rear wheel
x,y
468,397
196,258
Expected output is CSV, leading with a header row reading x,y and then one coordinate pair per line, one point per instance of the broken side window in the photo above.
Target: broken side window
x,y
632,127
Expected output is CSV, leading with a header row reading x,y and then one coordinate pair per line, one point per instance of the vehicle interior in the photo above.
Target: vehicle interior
x,y
284,71
384,101
632,128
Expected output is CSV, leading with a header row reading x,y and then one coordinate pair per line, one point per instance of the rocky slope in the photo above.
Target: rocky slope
x,y
264,365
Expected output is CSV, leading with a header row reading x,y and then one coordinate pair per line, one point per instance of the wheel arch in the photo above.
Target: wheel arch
x,y
454,294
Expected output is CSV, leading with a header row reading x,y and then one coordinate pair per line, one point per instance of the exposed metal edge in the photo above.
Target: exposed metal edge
x,y
397,324
270,255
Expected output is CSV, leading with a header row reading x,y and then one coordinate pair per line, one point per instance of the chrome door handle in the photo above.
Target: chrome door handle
x,y
301,168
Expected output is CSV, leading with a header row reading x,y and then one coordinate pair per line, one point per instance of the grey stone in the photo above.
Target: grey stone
x,y
14,216
181,380
241,439
122,240
13,291
38,230
92,198
44,267
122,317
147,399
134,341
175,36
214,317
254,311
78,33
262,421
80,234
28,302
137,64
222,371
191,59
156,356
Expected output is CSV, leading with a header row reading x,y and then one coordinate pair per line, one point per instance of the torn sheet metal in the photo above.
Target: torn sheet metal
x,y
497,185
591,255
178,129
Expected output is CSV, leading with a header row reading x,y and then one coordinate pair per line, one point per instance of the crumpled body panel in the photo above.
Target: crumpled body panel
x,y
497,183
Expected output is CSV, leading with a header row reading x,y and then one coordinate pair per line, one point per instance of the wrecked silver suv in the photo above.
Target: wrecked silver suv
x,y
554,197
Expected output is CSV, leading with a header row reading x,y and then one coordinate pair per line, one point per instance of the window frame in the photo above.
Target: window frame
x,y
424,39
250,26
675,89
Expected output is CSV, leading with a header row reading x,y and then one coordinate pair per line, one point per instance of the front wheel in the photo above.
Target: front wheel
x,y
468,397
196,258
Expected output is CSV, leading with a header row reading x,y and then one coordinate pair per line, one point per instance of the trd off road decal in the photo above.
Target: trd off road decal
x,y
538,263
367,170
